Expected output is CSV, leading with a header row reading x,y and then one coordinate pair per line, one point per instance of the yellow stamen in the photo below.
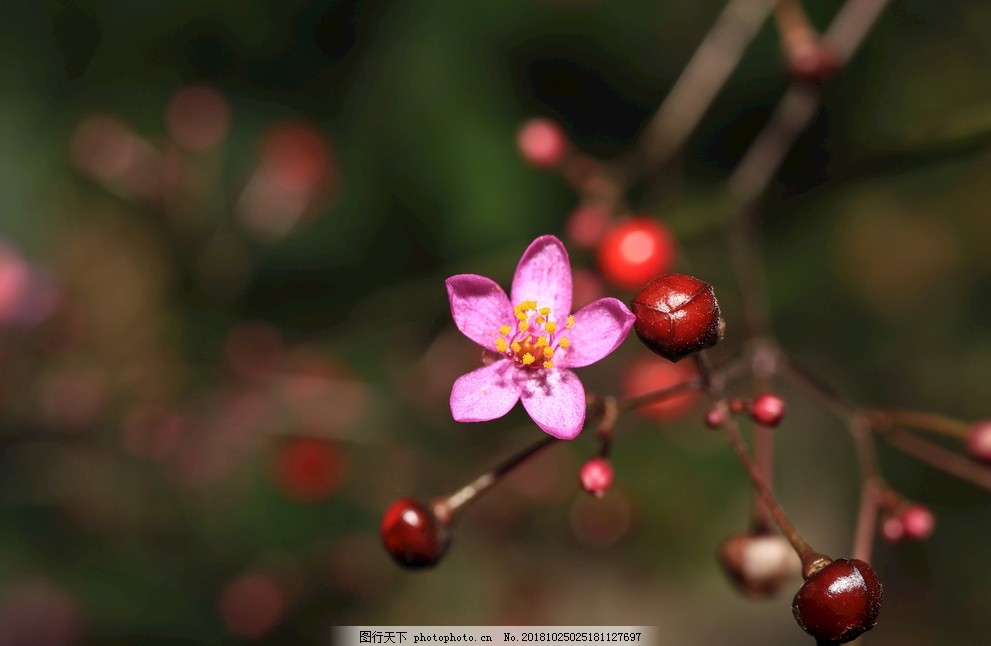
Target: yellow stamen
x,y
571,321
528,359
563,342
545,310
524,326
505,330
516,347
542,341
550,326
501,345
548,353
548,364
541,320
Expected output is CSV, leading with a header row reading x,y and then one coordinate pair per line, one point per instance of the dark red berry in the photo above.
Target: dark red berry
x,y
839,602
596,476
979,441
413,535
767,410
917,521
636,250
677,315
542,143
759,564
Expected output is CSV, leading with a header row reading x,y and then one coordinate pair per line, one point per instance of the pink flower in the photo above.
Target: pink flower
x,y
537,339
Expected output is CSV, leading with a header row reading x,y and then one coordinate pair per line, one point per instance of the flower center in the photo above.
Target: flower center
x,y
534,337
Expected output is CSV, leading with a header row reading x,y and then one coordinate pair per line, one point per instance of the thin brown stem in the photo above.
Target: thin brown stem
x,y
921,421
811,559
863,538
610,414
764,355
606,409
448,507
938,457
707,71
763,158
812,385
628,403
851,24
860,430
793,25
764,456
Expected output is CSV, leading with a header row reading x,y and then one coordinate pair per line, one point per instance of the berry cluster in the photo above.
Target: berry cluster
x,y
532,338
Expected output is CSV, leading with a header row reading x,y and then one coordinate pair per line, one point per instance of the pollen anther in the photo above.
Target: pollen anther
x,y
530,342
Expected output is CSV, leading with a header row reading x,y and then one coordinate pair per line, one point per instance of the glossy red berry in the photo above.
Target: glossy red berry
x,y
979,441
596,476
839,602
677,315
542,143
635,251
413,535
918,522
767,410
647,374
759,564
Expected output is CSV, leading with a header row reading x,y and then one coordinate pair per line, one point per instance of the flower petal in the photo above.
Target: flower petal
x,y
486,393
599,328
544,275
555,399
479,307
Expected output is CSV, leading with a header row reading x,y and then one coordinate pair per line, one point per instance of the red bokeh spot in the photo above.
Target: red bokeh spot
x,y
636,251
296,155
647,374
103,147
542,143
587,224
308,469
197,118
252,604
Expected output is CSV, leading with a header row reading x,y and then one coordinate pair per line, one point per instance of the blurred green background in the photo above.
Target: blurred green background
x,y
225,344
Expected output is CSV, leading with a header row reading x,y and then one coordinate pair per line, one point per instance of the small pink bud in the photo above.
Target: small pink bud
x,y
892,529
918,522
979,440
715,417
542,143
767,410
596,476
